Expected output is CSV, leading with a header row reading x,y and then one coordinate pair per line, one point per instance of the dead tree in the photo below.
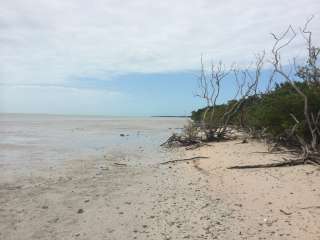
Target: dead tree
x,y
210,86
210,89
311,71
247,80
245,89
308,73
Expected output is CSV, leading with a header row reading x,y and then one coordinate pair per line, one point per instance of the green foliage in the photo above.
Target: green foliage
x,y
211,119
275,111
271,111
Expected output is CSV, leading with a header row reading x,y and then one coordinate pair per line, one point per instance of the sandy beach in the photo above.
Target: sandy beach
x,y
103,193
159,120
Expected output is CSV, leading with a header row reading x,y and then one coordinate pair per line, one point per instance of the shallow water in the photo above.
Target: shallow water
x,y
32,139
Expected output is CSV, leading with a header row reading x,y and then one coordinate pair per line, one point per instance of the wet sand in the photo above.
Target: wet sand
x,y
81,192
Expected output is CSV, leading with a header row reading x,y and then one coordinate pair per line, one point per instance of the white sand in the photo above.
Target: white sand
x,y
199,200
277,203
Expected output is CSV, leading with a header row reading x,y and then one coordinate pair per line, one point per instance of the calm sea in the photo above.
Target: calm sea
x,y
29,139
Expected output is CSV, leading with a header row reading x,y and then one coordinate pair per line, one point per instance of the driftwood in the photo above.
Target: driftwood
x,y
310,207
285,213
120,164
277,152
271,165
196,141
286,163
180,141
184,159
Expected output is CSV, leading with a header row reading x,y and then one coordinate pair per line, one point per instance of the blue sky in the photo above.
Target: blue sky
x,y
125,95
131,57
134,94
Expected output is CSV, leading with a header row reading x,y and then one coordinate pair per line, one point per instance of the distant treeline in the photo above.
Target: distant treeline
x,y
169,116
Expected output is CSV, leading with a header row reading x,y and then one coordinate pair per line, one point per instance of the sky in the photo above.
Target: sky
x,y
131,57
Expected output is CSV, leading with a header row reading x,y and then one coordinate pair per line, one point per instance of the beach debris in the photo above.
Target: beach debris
x,y
176,140
284,212
104,168
243,141
54,220
124,135
286,163
269,222
13,187
80,211
120,164
206,205
184,159
311,207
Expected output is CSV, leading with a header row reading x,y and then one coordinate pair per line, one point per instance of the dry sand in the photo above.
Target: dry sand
x,y
274,203
96,199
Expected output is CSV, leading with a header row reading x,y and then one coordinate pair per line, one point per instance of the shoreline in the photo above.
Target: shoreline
x,y
200,199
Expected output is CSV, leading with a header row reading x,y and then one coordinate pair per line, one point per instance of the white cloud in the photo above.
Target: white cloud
x,y
51,41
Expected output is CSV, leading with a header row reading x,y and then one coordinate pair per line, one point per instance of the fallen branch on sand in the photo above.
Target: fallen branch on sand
x,y
120,164
310,207
286,163
285,213
184,159
277,152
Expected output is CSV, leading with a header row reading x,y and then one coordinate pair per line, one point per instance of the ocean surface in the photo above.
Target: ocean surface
x,y
29,140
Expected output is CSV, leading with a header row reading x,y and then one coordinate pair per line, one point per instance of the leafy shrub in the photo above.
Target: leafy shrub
x,y
272,111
